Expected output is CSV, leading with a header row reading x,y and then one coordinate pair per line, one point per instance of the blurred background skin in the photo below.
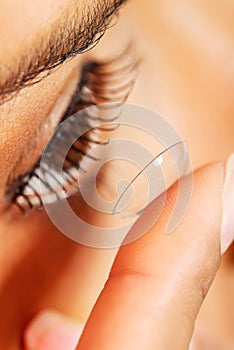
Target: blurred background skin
x,y
187,75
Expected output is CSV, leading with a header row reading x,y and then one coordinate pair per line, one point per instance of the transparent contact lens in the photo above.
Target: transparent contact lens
x,y
133,157
154,179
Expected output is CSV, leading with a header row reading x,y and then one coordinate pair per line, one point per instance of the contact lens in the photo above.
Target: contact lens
x,y
134,158
154,179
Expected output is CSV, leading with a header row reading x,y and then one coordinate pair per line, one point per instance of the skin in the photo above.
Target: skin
x,y
61,254
42,269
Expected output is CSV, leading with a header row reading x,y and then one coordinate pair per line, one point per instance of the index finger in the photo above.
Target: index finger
x,y
157,284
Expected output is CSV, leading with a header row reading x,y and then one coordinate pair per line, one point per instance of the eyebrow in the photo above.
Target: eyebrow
x,y
68,38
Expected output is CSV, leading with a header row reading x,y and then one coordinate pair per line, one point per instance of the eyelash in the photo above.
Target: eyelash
x,y
100,82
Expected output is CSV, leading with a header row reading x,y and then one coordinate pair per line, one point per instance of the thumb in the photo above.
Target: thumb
x,y
50,330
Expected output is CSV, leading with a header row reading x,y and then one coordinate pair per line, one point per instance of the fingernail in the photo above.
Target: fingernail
x,y
227,228
52,331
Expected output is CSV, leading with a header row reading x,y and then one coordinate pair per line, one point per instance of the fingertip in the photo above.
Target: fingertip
x,y
50,330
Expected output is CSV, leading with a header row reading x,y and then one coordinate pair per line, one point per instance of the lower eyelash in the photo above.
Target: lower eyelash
x,y
100,82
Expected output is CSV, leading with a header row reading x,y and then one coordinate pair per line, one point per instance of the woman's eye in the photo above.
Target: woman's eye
x,y
100,82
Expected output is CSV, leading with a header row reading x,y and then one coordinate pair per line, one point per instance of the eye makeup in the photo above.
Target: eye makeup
x,y
100,82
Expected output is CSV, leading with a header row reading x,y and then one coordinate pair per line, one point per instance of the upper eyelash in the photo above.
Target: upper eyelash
x,y
100,82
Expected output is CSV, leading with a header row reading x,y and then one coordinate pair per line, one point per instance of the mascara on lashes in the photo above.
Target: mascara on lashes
x,y
100,82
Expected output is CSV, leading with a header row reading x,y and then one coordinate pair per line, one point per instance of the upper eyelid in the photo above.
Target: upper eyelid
x,y
119,74
66,41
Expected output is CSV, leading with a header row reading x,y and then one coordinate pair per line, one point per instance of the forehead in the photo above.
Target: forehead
x,y
20,22
47,34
